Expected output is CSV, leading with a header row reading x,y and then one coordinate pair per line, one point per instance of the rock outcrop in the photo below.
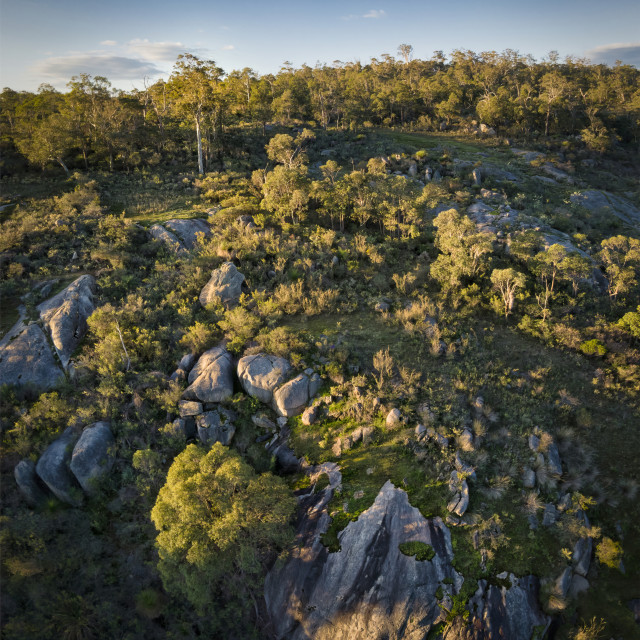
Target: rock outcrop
x,y
187,231
180,236
28,484
93,456
26,359
211,378
225,283
291,398
261,374
215,426
369,589
606,202
502,612
53,469
65,316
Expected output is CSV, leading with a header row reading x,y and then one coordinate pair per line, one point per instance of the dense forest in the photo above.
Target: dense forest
x,y
242,316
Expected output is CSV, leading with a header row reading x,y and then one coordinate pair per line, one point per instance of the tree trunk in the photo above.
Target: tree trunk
x,y
63,165
199,139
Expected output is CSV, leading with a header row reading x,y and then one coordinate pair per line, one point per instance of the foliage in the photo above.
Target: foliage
x,y
420,550
218,524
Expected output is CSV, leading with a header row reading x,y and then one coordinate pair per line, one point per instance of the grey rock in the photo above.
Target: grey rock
x,y
27,481
187,230
291,398
604,201
381,307
286,459
309,416
260,375
94,455
393,418
170,240
334,260
225,283
466,440
464,467
179,375
189,408
53,469
460,502
527,156
421,431
65,315
477,177
369,587
563,583
187,361
553,459
261,420
550,515
428,174
282,422
534,443
487,130
579,584
582,556
511,613
528,478
26,359
185,427
315,384
634,605
215,426
211,379
367,435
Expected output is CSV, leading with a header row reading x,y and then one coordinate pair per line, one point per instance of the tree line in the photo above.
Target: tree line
x,y
92,124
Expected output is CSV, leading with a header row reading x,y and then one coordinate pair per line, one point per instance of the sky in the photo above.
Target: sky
x,y
133,41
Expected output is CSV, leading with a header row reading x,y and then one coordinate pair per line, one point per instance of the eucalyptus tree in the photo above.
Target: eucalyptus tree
x,y
193,86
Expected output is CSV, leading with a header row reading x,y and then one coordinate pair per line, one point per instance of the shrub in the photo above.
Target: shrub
x,y
593,348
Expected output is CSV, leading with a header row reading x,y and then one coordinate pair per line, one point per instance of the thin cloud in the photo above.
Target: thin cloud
x,y
109,43
627,52
113,67
375,13
228,47
158,51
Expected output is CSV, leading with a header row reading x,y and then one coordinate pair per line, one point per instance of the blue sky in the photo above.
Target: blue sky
x,y
128,40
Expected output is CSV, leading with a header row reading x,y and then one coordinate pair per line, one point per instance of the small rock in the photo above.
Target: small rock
x,y
534,443
579,585
421,431
563,583
225,283
282,422
334,261
367,435
477,177
94,455
53,469
215,426
187,361
309,416
358,494
382,307
550,515
553,460
582,556
261,420
528,478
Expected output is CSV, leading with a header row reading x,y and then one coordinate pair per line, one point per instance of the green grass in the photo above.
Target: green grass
x,y
421,550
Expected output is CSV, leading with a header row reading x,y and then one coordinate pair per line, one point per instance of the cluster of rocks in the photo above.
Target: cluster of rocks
x,y
603,201
69,466
345,443
26,357
180,236
369,586
548,460
211,381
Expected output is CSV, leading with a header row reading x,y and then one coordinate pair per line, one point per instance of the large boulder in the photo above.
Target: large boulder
x,y
26,359
225,283
169,239
211,379
215,426
291,398
93,456
28,484
65,315
188,230
261,374
53,469
369,588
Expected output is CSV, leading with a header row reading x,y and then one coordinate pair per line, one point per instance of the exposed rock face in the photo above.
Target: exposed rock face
x,y
225,283
605,201
187,230
261,374
211,379
53,469
65,315
501,612
369,589
189,408
215,426
93,456
27,481
169,239
291,398
27,359
393,418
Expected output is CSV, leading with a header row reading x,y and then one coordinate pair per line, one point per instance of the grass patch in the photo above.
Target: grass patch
x,y
421,550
